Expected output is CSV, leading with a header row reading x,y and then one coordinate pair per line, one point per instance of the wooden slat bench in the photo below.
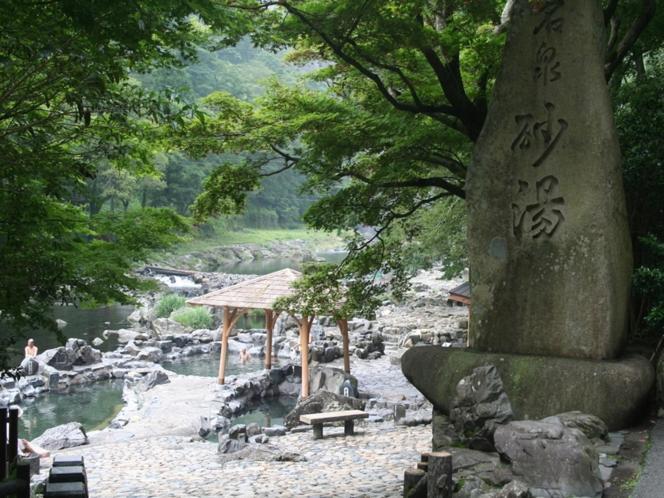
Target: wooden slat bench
x,y
318,419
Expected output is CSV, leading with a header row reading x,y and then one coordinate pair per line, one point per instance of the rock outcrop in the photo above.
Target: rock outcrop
x,y
553,460
62,436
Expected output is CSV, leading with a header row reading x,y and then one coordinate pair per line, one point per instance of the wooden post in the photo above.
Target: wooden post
x,y
270,319
3,443
12,450
231,315
305,327
414,483
439,475
23,476
343,328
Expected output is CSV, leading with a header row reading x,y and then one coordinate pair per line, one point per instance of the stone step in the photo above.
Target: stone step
x,y
67,460
68,473
65,490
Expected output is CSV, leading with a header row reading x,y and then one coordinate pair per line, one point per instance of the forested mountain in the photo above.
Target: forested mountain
x,y
241,71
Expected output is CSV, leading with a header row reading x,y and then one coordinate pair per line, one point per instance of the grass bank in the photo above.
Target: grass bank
x,y
318,241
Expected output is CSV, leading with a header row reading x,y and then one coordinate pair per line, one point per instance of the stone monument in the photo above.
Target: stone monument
x,y
549,246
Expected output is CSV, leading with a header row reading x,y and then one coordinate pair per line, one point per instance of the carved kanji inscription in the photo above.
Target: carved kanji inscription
x,y
542,217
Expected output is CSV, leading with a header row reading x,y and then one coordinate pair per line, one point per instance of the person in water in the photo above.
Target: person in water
x,y
31,350
244,356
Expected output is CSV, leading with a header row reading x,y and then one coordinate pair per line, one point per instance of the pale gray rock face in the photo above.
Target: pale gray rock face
x,y
123,335
331,379
166,326
62,436
514,489
548,238
593,427
553,460
30,366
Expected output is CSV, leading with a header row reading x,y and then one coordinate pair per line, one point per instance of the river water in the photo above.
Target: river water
x,y
96,405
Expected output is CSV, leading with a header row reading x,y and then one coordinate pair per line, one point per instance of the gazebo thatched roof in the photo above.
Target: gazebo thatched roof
x,y
257,293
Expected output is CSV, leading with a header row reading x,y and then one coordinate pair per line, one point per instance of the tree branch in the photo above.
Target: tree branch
x,y
431,181
632,34
433,111
451,82
609,11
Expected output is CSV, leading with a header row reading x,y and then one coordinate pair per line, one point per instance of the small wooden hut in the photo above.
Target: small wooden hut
x,y
460,294
261,293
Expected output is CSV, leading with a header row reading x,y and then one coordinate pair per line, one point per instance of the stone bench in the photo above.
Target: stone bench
x,y
318,419
65,490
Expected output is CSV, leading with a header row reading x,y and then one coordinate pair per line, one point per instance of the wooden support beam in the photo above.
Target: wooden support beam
x,y
4,415
231,316
342,323
305,328
270,320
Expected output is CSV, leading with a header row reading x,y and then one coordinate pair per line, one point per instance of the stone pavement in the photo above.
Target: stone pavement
x,y
651,481
370,464
380,379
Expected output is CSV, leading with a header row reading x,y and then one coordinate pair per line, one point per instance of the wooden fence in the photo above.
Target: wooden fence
x,y
14,476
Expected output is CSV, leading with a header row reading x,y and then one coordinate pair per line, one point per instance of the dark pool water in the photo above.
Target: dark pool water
x,y
270,411
208,365
92,405
81,323
95,405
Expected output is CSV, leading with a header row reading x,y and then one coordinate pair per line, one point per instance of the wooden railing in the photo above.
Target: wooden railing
x,y
14,476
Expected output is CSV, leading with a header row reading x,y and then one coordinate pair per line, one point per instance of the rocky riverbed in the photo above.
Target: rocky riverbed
x,y
220,258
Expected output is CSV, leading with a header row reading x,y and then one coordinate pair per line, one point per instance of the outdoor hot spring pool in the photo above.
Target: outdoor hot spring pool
x,y
95,405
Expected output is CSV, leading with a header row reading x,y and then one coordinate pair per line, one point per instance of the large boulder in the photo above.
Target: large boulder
x,y
584,385
123,336
480,404
30,366
321,401
285,322
166,326
62,436
593,427
470,464
140,316
155,378
60,358
87,355
367,343
331,379
151,354
553,460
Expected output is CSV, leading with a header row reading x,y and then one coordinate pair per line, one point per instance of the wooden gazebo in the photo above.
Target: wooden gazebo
x,y
261,293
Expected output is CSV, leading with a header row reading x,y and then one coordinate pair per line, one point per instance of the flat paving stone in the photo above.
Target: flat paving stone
x,y
371,463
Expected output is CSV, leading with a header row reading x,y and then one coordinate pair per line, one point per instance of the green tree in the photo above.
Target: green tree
x,y
385,126
66,103
640,121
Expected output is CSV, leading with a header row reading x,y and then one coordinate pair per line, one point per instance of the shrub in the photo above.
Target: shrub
x,y
196,318
168,304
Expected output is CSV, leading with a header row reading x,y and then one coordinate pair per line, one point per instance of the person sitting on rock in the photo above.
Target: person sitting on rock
x,y
244,356
31,350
